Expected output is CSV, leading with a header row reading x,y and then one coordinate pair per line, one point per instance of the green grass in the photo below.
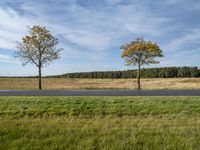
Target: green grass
x,y
95,106
100,123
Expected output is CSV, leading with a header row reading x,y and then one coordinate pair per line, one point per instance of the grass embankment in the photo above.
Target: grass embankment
x,y
100,122
67,83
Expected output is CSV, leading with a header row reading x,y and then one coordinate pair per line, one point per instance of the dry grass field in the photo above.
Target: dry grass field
x,y
66,83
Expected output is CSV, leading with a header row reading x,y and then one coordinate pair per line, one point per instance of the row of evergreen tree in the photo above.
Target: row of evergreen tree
x,y
165,72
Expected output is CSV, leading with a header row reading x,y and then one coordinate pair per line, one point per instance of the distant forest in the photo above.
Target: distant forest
x,y
165,72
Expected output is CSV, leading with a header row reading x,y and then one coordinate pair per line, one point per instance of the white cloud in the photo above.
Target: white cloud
x,y
8,59
96,30
12,28
178,44
89,32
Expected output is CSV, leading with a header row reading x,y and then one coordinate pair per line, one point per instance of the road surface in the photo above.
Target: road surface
x,y
99,92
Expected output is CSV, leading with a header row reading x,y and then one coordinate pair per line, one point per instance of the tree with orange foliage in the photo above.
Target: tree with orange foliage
x,y
39,48
141,52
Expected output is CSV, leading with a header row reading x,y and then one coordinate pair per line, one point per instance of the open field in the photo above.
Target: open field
x,y
67,83
100,123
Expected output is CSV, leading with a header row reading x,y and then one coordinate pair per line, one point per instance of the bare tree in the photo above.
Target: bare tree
x,y
39,48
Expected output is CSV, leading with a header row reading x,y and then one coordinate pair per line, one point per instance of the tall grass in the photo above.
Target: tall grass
x,y
100,123
100,133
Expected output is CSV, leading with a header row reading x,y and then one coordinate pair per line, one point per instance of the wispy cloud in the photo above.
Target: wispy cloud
x,y
92,31
187,41
8,59
96,29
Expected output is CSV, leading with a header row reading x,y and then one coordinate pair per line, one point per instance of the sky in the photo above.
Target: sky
x,y
92,31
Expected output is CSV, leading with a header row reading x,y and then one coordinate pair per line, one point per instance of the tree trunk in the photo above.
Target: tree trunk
x,y
40,78
138,78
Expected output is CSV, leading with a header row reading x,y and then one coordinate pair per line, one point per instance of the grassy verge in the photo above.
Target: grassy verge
x,y
100,133
100,123
95,106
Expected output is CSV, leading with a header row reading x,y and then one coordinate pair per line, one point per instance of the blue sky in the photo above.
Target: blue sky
x,y
92,31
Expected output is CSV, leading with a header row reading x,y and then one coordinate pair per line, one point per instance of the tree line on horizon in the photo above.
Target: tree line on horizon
x,y
164,72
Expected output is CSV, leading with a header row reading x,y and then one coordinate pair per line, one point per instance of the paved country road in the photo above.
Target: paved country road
x,y
99,93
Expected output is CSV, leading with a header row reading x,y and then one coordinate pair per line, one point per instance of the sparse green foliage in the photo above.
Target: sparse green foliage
x,y
39,48
141,52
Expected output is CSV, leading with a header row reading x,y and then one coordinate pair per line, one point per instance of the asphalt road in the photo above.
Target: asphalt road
x,y
99,92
